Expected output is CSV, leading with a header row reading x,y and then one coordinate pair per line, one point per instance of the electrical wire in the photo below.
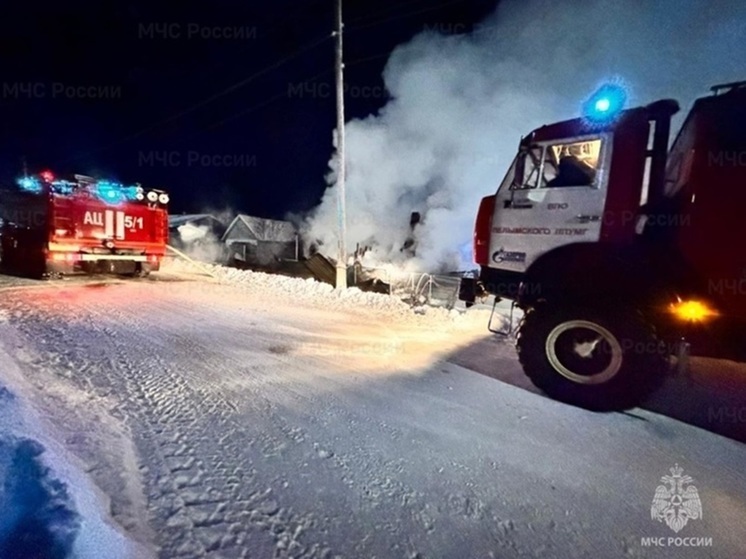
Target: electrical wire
x,y
210,99
265,103
283,94
269,68
276,24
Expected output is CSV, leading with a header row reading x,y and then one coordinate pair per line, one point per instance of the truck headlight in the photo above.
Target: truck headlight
x,y
139,195
152,196
163,198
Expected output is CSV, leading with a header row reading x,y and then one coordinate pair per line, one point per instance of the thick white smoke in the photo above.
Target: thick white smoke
x,y
190,233
202,242
459,105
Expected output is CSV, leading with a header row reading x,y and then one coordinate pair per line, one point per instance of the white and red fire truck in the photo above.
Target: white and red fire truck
x,y
620,252
52,226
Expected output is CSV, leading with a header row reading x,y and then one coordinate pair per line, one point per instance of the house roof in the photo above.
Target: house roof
x,y
246,228
177,220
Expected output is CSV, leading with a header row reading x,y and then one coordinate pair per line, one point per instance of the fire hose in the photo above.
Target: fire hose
x,y
192,261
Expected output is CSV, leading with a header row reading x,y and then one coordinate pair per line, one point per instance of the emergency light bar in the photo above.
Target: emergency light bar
x,y
116,193
63,186
110,192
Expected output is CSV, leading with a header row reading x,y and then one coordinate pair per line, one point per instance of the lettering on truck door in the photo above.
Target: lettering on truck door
x,y
126,223
115,223
93,218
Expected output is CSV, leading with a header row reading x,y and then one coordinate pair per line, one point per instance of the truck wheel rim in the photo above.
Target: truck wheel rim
x,y
584,352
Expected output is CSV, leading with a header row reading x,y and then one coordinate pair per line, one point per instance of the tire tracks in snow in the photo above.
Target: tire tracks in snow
x,y
202,491
362,470
209,486
371,488
363,474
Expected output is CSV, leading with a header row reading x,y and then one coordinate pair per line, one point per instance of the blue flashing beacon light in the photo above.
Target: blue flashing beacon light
x,y
109,192
605,105
30,184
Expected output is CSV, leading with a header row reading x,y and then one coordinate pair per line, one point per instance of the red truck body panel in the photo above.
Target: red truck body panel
x,y
481,243
85,221
706,176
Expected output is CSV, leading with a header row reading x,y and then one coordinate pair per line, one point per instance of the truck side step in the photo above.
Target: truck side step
x,y
505,331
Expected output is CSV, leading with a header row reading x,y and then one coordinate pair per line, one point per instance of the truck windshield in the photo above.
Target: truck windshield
x,y
557,164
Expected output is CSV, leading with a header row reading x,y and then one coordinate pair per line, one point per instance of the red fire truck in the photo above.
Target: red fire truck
x,y
51,226
620,251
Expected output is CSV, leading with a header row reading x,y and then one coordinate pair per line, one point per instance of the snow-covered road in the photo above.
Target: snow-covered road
x,y
243,421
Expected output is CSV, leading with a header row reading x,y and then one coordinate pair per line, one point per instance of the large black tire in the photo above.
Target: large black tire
x,y
142,270
589,358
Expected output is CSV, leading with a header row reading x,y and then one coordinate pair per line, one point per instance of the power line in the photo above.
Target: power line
x,y
212,98
265,103
283,94
275,24
369,58
267,69
255,107
272,99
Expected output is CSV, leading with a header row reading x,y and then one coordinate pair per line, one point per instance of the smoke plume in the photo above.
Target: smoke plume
x,y
460,103
202,242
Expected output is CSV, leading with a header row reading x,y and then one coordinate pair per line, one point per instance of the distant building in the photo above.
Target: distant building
x,y
258,242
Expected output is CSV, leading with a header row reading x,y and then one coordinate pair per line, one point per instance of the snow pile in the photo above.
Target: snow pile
x,y
315,293
306,289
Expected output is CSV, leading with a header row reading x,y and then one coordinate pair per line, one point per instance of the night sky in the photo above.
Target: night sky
x,y
221,103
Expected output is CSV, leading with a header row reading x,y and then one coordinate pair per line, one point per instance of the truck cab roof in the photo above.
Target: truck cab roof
x,y
582,126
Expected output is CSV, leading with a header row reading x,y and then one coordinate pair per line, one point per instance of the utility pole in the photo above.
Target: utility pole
x,y
341,211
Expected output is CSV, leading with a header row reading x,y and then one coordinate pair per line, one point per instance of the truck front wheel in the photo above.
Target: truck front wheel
x,y
595,360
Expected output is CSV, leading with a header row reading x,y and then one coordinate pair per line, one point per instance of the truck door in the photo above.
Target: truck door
x,y
554,196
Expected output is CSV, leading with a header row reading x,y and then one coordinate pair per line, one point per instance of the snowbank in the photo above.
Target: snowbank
x,y
37,515
315,293
49,507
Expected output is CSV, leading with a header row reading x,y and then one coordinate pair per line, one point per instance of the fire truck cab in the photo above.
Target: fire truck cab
x,y
618,251
50,227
